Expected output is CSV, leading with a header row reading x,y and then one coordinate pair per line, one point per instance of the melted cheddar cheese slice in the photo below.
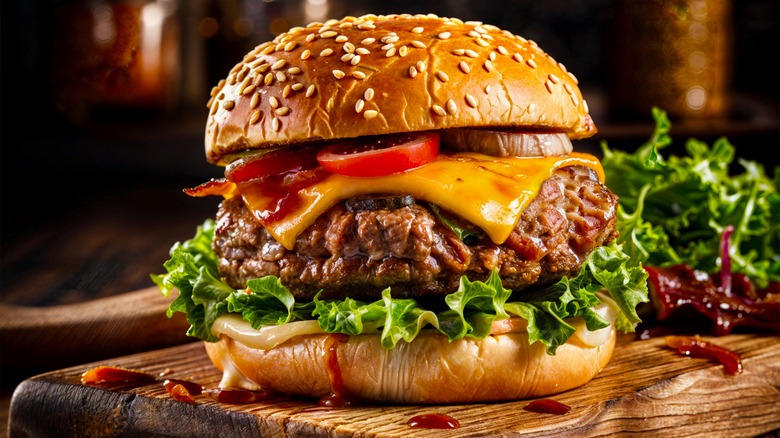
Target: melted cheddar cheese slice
x,y
489,192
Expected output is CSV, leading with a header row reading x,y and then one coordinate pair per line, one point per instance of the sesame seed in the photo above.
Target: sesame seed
x,y
255,101
366,26
482,42
368,41
517,57
282,111
338,74
342,38
214,109
310,91
531,63
362,51
444,35
280,76
287,90
402,51
269,78
297,86
492,56
439,110
421,66
263,67
418,44
473,33
573,78
254,118
349,47
487,89
502,50
329,34
370,114
470,53
488,66
390,52
563,67
531,108
275,124
248,89
549,85
459,52
389,39
268,50
464,67
273,101
452,107
306,53
359,74
293,70
290,46
228,105
471,101
355,60
310,37
412,71
348,57
359,105
480,29
554,79
574,99
329,106
278,64
442,76
326,52
368,94
418,29
388,46
585,105
567,87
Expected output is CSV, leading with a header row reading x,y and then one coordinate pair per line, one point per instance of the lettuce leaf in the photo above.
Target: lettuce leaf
x,y
470,311
674,209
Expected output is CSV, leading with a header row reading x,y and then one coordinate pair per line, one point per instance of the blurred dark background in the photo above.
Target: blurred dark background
x,y
103,108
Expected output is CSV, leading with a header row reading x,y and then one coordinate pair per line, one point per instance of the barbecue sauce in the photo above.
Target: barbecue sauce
x,y
433,421
694,346
107,375
235,395
547,406
339,397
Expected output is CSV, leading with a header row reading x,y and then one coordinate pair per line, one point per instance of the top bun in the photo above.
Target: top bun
x,y
376,75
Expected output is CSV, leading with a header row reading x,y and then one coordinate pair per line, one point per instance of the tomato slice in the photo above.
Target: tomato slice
x,y
271,163
381,155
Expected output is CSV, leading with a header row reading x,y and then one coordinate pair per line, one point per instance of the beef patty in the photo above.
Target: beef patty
x,y
410,250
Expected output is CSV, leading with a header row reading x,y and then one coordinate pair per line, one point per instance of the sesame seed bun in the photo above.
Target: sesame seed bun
x,y
376,75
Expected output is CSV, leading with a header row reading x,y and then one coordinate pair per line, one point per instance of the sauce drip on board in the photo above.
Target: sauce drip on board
x,y
547,406
433,421
107,374
339,397
694,346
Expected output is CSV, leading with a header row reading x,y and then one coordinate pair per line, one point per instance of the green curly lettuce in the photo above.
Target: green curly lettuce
x,y
674,209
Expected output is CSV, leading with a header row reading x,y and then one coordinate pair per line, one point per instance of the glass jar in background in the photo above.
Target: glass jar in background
x,y
114,56
673,54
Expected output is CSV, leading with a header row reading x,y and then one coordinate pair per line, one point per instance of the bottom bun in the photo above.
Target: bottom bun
x,y
429,370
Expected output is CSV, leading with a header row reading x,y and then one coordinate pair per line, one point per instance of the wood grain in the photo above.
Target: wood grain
x,y
646,389
65,335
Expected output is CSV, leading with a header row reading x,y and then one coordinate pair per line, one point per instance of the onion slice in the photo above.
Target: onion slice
x,y
507,143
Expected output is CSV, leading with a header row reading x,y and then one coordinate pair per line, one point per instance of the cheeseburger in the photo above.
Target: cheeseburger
x,y
404,219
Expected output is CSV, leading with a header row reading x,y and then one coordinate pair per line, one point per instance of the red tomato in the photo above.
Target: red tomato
x,y
382,155
271,163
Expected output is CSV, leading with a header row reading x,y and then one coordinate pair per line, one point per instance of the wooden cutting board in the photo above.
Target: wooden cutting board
x,y
646,389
